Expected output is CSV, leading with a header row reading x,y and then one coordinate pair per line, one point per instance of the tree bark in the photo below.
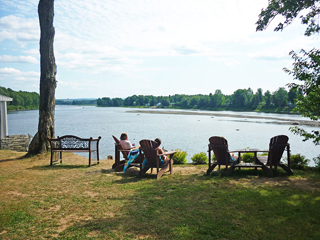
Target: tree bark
x,y
48,81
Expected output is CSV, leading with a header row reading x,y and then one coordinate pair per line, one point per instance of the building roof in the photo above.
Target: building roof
x,y
5,98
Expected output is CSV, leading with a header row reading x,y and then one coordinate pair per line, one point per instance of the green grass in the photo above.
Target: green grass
x,y
71,201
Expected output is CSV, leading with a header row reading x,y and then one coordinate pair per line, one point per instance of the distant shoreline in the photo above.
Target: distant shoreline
x,y
294,122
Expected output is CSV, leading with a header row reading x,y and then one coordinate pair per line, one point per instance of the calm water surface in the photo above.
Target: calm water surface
x,y
189,133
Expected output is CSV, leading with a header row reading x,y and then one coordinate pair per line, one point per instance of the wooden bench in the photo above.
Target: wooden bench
x,y
70,143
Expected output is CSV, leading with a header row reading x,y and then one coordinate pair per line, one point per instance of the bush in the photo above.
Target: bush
x,y
200,158
317,162
298,161
247,157
180,157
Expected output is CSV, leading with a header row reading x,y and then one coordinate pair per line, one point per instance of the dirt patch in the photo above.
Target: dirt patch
x,y
68,221
188,170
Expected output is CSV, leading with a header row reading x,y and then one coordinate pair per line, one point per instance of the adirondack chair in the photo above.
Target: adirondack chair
x,y
277,146
219,146
150,153
119,164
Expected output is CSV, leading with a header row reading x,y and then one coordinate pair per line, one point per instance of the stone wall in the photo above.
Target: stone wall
x,y
19,143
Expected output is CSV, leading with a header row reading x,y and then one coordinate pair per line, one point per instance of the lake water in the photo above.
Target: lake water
x,y
189,133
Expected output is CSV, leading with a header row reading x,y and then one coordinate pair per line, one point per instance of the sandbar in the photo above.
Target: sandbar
x,y
278,120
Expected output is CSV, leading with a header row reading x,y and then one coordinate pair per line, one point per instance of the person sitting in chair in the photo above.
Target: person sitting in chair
x,y
124,142
126,145
164,158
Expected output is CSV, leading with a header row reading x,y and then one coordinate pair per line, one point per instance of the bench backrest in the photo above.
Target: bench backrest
x,y
70,142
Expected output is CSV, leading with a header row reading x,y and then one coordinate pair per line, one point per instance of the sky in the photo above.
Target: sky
x,y
118,48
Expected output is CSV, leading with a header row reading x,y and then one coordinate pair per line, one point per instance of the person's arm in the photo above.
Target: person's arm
x,y
160,151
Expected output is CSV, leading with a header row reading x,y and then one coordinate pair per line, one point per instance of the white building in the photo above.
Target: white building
x,y
3,116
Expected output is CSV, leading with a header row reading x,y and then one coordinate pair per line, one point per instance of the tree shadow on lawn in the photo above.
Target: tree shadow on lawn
x,y
13,159
58,167
187,207
249,172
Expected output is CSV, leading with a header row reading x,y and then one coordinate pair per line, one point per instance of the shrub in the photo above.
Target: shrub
x,y
199,158
317,162
247,157
180,157
298,161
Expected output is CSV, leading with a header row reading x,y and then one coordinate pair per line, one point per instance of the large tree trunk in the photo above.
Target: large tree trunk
x,y
48,70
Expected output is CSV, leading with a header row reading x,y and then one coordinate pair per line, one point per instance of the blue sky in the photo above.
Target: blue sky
x,y
117,48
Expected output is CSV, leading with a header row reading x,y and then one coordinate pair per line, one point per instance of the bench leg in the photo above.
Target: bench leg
x,y
98,156
60,157
89,159
51,159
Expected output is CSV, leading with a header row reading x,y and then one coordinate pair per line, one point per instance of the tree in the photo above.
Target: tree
x,y
292,95
165,102
290,9
48,81
280,97
267,96
239,98
306,67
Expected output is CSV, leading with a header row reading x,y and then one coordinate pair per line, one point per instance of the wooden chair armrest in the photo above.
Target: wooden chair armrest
x,y
232,151
167,153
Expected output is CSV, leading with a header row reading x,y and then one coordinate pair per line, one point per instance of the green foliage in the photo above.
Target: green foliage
x,y
306,67
280,97
76,102
298,161
247,157
317,162
241,99
200,158
290,9
21,100
180,157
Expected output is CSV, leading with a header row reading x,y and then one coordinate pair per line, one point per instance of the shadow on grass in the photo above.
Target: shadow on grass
x,y
58,167
187,207
14,159
250,172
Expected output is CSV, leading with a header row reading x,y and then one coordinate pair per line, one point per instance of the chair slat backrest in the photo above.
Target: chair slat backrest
x,y
277,146
148,147
124,153
219,145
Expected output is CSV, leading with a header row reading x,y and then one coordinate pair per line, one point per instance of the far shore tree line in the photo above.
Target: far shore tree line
x,y
241,99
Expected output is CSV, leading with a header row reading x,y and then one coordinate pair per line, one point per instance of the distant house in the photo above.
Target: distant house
x,y
3,116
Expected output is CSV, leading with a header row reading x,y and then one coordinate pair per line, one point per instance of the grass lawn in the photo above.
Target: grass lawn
x,y
72,201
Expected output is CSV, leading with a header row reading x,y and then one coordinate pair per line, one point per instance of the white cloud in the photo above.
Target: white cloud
x,y
9,71
32,52
18,73
19,59
19,29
